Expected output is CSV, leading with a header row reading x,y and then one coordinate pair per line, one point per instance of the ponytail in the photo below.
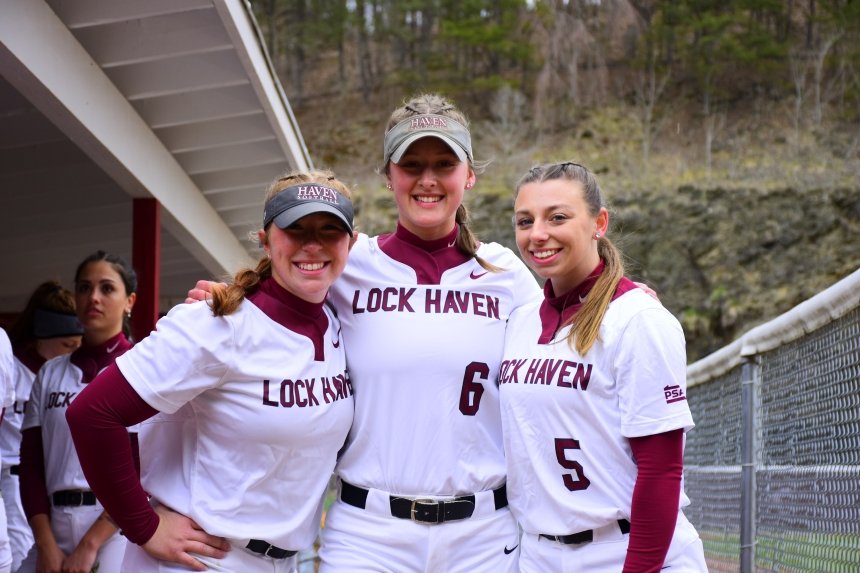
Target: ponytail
x,y
586,322
467,242
226,299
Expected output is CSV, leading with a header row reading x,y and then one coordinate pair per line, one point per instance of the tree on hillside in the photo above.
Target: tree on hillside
x,y
565,45
651,73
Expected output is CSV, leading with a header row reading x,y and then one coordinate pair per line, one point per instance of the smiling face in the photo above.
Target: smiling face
x,y
555,232
308,255
428,185
101,301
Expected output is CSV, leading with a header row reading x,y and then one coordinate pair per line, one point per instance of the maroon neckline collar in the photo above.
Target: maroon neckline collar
x,y
429,259
293,313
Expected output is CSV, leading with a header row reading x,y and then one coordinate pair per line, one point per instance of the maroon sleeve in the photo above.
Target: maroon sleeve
x,y
34,489
660,461
98,418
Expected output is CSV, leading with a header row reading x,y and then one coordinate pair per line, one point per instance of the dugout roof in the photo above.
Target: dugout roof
x,y
105,101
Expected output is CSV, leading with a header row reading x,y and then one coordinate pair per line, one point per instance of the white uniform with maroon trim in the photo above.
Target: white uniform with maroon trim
x,y
56,385
423,360
20,534
8,373
567,420
250,426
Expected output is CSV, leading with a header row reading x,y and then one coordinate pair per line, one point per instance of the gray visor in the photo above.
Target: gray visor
x,y
452,132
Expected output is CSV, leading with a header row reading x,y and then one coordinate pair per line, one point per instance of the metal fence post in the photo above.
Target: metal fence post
x,y
749,378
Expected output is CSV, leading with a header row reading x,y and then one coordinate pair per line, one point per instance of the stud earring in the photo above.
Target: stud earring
x,y
596,235
468,185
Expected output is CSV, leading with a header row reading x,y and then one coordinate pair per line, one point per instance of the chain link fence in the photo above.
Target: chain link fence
x,y
773,464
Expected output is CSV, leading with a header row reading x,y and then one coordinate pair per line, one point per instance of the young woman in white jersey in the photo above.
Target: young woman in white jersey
x,y
423,309
593,397
7,391
46,328
71,531
246,404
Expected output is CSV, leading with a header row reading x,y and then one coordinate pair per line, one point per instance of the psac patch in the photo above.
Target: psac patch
x,y
673,394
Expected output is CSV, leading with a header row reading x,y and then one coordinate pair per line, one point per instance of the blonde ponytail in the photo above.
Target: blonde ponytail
x,y
586,323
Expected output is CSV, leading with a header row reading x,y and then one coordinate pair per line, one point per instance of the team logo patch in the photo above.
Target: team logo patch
x,y
316,193
674,394
427,122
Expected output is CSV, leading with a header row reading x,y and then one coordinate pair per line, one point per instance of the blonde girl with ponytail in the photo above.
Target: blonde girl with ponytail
x,y
593,396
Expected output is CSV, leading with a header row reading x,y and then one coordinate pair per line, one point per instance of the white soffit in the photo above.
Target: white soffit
x,y
172,99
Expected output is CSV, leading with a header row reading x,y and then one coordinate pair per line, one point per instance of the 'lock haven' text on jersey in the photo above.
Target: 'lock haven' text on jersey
x,y
306,393
435,301
546,371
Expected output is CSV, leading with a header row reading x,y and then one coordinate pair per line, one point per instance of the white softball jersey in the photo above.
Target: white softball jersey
x,y
252,416
10,429
56,385
7,371
20,534
423,361
566,417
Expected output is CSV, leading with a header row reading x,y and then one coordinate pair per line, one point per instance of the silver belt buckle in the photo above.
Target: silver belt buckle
x,y
425,501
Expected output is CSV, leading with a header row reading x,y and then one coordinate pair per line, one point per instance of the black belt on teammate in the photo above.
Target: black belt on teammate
x,y
584,536
15,470
423,510
269,550
73,497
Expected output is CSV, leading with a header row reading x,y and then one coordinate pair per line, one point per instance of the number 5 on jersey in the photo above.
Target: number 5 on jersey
x,y
581,482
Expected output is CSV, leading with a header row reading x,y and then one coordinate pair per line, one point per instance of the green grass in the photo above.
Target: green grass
x,y
789,552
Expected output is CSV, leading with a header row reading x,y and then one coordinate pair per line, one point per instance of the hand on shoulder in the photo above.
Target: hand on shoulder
x,y
201,291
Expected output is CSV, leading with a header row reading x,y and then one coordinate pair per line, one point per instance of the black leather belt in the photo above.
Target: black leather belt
x,y
269,550
423,510
584,536
15,470
73,497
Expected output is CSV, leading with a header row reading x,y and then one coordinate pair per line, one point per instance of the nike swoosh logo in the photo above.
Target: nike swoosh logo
x,y
511,550
112,348
336,343
474,276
